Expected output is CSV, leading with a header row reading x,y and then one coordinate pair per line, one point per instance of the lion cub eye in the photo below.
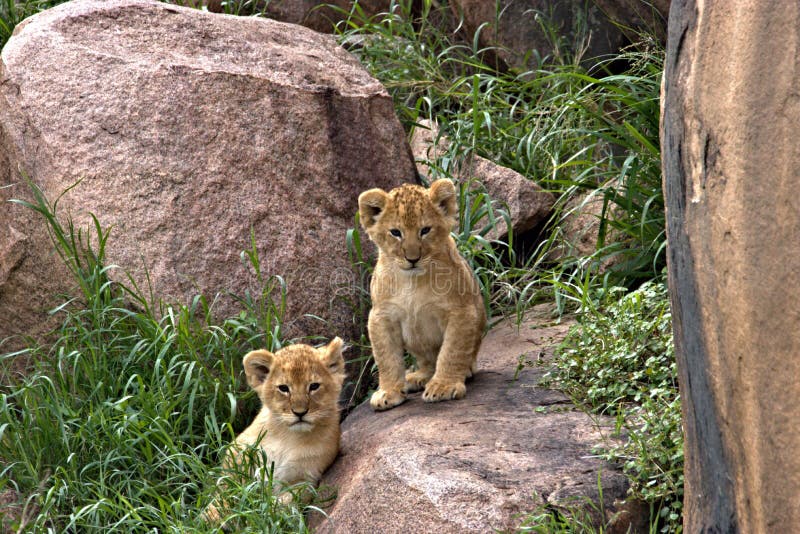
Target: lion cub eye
x,y
425,230
395,232
313,386
283,388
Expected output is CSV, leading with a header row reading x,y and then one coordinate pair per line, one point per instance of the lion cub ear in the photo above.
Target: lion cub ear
x,y
331,356
256,366
370,205
443,195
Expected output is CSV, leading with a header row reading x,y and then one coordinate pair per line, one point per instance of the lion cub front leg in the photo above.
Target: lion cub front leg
x,y
456,361
387,349
418,378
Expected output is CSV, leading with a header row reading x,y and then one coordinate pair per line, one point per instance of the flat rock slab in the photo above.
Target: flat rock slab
x,y
477,464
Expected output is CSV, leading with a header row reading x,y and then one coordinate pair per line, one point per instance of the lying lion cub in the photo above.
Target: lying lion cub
x,y
425,299
298,425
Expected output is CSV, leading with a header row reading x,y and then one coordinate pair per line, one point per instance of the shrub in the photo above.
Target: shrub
x,y
619,360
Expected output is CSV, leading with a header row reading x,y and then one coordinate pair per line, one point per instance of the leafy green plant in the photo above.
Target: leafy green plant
x,y
619,360
122,421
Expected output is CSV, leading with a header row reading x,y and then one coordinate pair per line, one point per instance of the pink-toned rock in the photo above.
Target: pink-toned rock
x,y
518,30
477,464
189,129
428,145
319,15
579,231
528,203
580,226
634,17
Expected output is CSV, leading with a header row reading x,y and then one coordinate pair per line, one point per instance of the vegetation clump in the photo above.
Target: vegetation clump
x,y
619,360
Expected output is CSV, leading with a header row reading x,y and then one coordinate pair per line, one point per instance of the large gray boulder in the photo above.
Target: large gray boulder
x,y
189,129
730,156
481,463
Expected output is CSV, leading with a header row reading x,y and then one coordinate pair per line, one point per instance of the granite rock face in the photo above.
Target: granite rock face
x,y
319,15
477,464
188,130
519,29
527,203
730,110
635,16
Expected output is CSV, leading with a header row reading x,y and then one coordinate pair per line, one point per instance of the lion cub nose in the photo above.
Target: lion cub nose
x,y
412,261
300,414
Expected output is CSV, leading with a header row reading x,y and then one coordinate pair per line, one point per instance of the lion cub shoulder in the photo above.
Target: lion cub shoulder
x,y
298,425
425,298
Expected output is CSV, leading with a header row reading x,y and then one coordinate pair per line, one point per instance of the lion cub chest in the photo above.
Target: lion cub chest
x,y
294,456
422,319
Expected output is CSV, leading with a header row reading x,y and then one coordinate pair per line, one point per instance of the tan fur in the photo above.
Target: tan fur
x,y
431,307
301,447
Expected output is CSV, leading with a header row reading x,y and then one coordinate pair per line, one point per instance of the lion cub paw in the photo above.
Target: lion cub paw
x,y
416,380
211,515
437,390
384,400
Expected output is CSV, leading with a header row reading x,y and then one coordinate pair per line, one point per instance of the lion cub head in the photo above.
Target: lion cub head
x,y
410,224
299,384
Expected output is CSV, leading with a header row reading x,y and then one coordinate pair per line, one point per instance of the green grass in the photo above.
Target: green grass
x,y
122,421
571,132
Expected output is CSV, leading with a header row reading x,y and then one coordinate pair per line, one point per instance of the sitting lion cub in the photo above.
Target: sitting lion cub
x,y
425,299
298,425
